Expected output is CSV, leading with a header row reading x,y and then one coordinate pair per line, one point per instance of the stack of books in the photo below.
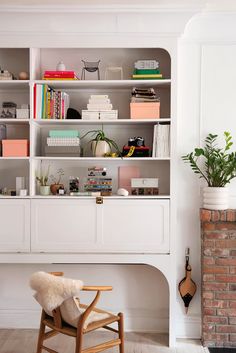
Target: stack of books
x,y
60,75
161,141
99,107
50,104
63,143
146,70
98,182
140,95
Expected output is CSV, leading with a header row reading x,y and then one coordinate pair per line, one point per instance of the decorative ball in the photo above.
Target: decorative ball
x,y
23,75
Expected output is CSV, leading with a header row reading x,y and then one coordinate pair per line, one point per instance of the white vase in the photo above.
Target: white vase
x,y
215,198
44,190
99,148
60,66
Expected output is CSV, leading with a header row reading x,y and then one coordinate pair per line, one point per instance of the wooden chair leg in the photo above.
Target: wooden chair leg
x,y
41,334
79,340
121,333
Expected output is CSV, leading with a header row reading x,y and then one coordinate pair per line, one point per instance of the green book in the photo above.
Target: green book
x,y
63,133
146,71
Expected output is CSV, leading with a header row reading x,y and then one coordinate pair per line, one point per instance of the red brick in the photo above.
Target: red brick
x,y
208,328
232,252
207,295
208,226
226,243
230,216
223,215
232,305
225,295
215,216
209,311
226,261
215,320
227,279
232,338
232,320
205,215
225,226
232,287
215,286
208,244
232,270
216,269
216,235
216,337
208,278
215,303
226,312
226,328
208,261
216,252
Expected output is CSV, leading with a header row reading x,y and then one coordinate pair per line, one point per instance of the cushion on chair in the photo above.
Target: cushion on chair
x,y
71,311
51,291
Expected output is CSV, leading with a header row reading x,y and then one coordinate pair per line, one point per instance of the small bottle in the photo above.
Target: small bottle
x,y
60,66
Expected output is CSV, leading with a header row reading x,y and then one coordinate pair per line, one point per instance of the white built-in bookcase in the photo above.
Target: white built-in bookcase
x,y
36,61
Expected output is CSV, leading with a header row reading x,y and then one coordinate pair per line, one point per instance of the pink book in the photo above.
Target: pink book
x,y
125,174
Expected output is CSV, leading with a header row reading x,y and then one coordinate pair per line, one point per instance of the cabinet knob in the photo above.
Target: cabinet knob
x,y
99,200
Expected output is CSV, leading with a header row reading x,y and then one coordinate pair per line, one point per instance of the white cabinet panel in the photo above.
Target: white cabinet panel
x,y
14,225
140,226
63,225
137,226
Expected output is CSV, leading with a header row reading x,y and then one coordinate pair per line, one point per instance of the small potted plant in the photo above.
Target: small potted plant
x,y
56,181
101,145
218,168
44,188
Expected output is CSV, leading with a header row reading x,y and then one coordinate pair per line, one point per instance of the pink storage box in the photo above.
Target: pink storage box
x,y
145,110
15,148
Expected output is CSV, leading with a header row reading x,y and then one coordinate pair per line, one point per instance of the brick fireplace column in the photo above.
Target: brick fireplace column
x,y
218,258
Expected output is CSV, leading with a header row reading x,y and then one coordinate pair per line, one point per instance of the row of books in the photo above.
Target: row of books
x,y
146,70
49,103
161,140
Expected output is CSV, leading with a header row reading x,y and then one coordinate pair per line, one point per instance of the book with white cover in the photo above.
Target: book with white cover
x,y
99,96
163,141
99,106
99,101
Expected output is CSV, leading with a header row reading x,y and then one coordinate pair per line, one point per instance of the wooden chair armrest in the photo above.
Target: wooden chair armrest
x,y
97,288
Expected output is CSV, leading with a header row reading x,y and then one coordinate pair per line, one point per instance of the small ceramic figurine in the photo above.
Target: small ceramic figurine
x,y
61,66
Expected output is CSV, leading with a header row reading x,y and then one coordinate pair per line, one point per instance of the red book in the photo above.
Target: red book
x,y
66,74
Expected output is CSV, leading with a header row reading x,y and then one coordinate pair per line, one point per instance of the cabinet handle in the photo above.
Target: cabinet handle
x,y
99,200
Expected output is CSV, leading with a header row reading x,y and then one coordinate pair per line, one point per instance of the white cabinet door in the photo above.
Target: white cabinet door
x,y
137,226
14,225
63,225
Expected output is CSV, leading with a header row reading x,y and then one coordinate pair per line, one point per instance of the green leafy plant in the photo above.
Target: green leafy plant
x,y
219,165
43,178
99,135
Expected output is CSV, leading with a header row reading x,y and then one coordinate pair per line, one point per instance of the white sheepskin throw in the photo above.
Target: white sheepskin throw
x,y
52,290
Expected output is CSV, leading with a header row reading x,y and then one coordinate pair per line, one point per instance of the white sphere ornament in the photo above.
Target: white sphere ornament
x,y
122,192
23,75
61,66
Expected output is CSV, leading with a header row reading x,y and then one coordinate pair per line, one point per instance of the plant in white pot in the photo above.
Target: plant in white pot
x,y
217,166
44,188
102,145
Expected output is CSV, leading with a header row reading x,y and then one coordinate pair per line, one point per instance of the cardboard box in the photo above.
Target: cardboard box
x,y
15,148
145,110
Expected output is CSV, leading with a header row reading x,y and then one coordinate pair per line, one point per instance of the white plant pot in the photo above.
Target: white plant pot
x,y
99,148
215,198
44,190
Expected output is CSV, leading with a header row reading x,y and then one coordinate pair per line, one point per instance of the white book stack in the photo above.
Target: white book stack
x,y
99,107
63,141
161,141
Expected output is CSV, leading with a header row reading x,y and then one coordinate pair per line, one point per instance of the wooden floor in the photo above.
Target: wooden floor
x,y
24,341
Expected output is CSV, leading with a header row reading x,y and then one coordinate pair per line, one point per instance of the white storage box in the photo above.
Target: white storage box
x,y
22,113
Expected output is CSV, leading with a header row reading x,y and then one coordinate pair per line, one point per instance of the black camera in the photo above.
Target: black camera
x,y
136,141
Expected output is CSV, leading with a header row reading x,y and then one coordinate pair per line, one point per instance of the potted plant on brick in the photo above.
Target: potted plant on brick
x,y
217,166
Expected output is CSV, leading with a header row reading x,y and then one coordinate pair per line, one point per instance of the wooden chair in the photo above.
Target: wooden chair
x,y
56,325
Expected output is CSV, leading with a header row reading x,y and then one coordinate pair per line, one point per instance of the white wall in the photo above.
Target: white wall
x,y
199,90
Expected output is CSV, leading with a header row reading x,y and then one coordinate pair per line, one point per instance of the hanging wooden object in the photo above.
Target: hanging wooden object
x,y
187,287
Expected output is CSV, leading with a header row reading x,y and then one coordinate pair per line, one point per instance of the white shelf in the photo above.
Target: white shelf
x,y
11,84
14,158
103,159
15,121
100,122
104,197
107,84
